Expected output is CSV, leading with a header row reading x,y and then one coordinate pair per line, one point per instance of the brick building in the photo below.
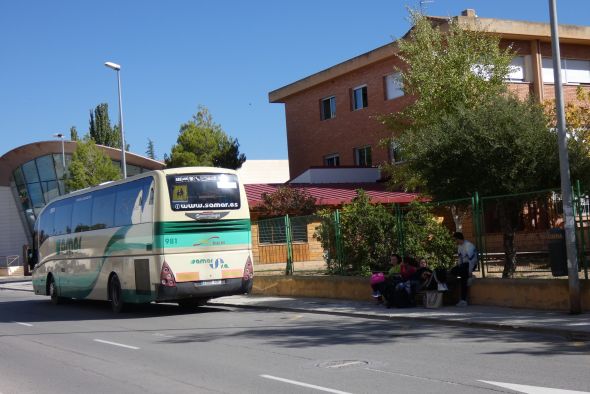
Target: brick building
x,y
330,115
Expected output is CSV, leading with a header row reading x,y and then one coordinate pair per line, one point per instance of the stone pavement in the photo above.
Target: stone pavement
x,y
574,327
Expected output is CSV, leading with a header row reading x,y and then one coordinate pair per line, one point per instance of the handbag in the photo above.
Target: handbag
x,y
441,286
433,299
377,277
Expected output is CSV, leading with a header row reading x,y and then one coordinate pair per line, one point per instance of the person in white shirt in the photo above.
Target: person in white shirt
x,y
466,263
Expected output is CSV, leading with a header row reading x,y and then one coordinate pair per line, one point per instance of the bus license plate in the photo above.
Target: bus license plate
x,y
210,282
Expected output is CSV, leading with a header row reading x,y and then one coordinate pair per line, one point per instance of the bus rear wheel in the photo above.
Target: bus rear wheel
x,y
115,294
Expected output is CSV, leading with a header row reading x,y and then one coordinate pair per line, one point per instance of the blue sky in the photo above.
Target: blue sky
x,y
176,55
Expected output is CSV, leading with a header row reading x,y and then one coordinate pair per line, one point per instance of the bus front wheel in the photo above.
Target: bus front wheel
x,y
115,294
52,290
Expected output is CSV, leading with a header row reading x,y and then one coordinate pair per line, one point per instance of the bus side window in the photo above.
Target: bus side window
x,y
103,209
63,217
82,213
128,197
147,212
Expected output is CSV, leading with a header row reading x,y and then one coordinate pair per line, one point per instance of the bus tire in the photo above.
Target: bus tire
x,y
192,302
52,291
115,294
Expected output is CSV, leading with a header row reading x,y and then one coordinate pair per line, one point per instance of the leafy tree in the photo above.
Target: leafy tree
x,y
287,201
73,134
368,236
425,237
464,132
577,119
101,130
90,166
202,142
444,71
577,114
229,155
499,147
150,151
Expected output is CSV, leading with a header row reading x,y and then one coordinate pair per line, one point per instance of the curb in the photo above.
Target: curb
x,y
6,280
572,335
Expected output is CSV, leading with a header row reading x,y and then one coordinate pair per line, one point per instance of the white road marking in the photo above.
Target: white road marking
x,y
311,386
532,389
346,364
163,335
23,324
116,344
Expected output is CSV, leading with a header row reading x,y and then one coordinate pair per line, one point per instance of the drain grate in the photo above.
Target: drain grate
x,y
336,364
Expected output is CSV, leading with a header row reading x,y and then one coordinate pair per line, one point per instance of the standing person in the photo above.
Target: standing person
x,y
466,263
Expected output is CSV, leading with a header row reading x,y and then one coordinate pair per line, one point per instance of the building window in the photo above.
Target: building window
x,y
332,160
572,71
519,69
359,98
393,86
273,231
395,153
483,71
362,156
328,108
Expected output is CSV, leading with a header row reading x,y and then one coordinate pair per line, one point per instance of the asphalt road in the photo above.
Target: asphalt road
x,y
81,347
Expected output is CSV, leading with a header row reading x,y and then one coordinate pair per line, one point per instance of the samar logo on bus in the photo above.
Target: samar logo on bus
x,y
213,263
68,245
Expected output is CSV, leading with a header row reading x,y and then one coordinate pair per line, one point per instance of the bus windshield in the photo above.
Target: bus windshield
x,y
203,191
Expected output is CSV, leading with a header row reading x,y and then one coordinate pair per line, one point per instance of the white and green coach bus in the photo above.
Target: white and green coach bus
x,y
177,235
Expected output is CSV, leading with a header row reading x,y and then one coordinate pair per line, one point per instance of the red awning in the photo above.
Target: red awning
x,y
334,194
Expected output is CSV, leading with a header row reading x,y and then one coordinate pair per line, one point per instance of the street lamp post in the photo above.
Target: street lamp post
x,y
63,153
117,68
564,170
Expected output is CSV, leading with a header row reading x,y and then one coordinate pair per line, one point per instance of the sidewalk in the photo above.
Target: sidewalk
x,y
574,327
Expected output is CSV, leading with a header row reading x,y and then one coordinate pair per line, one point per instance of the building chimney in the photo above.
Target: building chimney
x,y
470,12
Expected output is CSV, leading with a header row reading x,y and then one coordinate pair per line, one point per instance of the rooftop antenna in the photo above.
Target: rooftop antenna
x,y
423,5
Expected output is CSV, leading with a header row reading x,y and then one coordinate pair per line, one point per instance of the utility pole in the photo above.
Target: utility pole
x,y
564,170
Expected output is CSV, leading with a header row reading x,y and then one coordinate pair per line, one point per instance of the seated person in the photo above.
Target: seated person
x,y
428,279
393,275
407,268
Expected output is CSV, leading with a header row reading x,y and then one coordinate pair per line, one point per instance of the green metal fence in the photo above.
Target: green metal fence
x,y
533,216
285,240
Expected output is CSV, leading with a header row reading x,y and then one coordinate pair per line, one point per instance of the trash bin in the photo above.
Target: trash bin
x,y
558,253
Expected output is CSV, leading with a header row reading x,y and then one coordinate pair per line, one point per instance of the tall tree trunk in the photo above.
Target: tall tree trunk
x,y
506,213
509,255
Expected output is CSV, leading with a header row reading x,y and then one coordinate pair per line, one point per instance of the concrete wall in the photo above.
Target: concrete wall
x,y
550,294
544,294
12,233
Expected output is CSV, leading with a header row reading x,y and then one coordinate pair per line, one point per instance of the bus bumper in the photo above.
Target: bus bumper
x,y
186,290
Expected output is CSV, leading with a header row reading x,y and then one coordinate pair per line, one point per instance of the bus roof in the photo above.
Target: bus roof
x,y
168,171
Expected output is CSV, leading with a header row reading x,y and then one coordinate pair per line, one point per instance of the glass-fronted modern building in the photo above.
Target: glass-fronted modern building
x,y
31,176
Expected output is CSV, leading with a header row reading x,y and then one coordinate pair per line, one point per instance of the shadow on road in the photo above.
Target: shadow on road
x,y
327,331
277,328
42,310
